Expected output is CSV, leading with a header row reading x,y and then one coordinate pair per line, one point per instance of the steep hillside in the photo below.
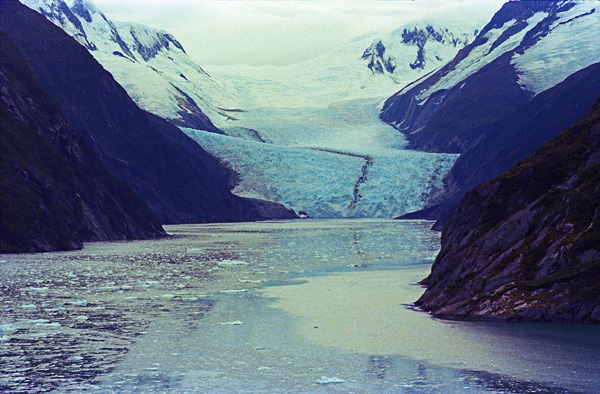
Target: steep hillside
x,y
502,144
527,48
54,191
151,65
179,184
531,72
526,245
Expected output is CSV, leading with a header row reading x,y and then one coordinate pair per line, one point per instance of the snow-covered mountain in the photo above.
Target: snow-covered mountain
x,y
432,47
530,73
527,47
318,144
373,65
150,64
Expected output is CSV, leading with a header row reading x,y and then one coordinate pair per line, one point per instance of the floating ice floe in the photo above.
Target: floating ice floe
x,y
7,328
234,291
4,338
81,318
249,281
78,303
29,307
327,380
39,321
232,323
231,263
35,289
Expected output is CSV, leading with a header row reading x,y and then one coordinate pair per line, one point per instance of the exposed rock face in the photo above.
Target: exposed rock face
x,y
179,181
526,245
424,38
54,191
378,61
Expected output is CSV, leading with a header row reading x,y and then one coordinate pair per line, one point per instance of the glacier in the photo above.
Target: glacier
x,y
307,135
322,183
314,140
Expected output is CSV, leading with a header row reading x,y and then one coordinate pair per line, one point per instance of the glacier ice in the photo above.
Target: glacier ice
x,y
322,183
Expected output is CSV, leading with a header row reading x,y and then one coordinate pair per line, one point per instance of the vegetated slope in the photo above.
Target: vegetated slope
x,y
54,191
179,184
151,65
526,245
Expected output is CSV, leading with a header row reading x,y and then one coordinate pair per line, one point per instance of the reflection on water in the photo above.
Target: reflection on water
x,y
281,307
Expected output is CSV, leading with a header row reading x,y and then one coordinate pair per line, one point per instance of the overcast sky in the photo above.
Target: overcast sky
x,y
217,32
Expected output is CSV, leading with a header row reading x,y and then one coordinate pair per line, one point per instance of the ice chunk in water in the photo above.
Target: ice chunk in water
x,y
7,328
234,291
35,289
232,323
326,380
231,263
78,303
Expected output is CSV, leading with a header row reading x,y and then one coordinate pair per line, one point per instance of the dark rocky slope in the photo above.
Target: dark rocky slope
x,y
502,144
54,191
526,245
180,182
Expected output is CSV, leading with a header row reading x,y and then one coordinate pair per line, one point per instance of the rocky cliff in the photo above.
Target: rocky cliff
x,y
54,191
526,244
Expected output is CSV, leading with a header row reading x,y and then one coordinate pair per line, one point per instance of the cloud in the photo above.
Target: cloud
x,y
272,32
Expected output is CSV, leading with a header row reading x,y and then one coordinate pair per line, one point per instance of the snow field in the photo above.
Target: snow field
x,y
569,47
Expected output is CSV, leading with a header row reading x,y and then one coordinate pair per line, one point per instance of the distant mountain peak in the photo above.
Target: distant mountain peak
x,y
416,47
378,61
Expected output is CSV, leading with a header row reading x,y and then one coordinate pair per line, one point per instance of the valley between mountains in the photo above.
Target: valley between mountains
x,y
400,123
414,210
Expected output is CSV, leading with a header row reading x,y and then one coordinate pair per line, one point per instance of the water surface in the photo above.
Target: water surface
x,y
274,307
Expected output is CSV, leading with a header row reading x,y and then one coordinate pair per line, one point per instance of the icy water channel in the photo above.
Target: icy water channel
x,y
274,307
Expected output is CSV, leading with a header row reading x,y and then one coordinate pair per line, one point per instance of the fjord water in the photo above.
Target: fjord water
x,y
275,307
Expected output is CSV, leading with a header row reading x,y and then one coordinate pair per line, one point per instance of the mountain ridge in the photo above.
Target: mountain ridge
x,y
134,52
521,62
